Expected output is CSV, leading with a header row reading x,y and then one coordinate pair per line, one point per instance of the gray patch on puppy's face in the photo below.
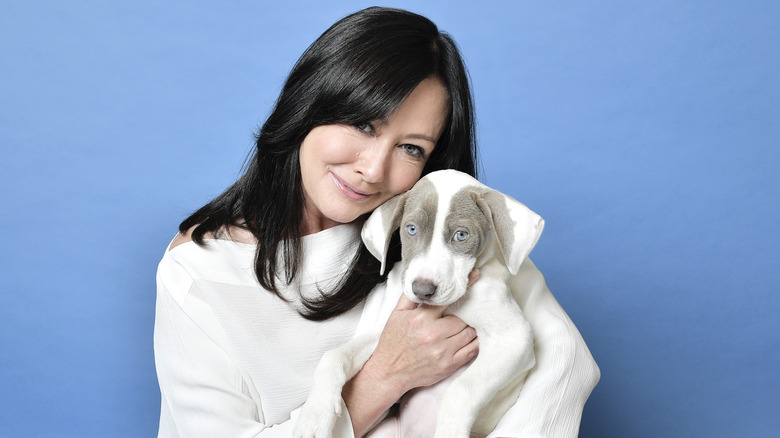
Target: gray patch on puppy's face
x,y
419,218
464,215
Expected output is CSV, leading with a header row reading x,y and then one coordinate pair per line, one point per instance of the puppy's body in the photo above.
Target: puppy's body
x,y
473,400
449,224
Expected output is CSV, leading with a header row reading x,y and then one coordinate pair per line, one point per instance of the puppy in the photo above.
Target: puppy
x,y
449,224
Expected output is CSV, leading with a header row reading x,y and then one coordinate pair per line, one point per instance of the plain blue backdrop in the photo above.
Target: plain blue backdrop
x,y
646,133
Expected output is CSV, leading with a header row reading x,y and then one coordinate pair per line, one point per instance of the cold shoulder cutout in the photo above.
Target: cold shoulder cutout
x,y
235,234
181,239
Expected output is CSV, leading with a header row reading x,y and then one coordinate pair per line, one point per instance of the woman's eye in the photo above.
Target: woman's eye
x,y
460,236
411,230
415,151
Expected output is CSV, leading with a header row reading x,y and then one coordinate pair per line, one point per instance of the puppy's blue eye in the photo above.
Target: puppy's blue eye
x,y
460,236
411,230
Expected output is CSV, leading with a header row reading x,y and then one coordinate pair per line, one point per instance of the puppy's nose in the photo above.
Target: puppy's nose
x,y
423,288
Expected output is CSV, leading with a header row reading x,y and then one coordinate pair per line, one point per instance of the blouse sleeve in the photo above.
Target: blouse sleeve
x,y
556,389
204,392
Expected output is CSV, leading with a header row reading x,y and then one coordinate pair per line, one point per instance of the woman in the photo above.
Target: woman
x,y
270,274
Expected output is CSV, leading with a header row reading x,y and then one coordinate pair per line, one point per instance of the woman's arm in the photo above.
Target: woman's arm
x,y
554,394
204,392
199,383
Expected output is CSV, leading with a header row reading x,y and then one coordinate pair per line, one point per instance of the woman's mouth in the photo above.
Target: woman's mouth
x,y
349,191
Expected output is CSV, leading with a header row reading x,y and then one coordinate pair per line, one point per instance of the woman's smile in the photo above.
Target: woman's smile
x,y
349,191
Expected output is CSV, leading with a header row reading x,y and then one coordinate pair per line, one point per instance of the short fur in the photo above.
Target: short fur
x,y
449,223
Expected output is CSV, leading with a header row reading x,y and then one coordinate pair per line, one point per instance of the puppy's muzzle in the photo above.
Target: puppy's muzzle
x,y
423,288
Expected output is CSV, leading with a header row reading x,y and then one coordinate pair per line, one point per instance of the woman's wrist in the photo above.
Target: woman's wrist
x,y
390,382
369,394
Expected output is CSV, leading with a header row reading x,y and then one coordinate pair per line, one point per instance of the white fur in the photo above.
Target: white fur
x,y
473,399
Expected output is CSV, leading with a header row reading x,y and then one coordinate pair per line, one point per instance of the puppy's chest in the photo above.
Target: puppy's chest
x,y
489,308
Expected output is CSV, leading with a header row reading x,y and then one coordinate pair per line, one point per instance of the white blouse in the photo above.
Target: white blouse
x,y
234,360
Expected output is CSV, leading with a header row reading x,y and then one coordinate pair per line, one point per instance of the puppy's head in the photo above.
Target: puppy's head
x,y
447,221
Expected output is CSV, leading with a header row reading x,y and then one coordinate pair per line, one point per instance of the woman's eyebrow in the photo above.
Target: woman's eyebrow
x,y
422,137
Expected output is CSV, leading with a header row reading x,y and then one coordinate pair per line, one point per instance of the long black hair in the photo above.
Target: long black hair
x,y
358,71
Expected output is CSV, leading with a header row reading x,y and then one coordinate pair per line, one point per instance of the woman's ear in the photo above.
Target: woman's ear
x,y
379,227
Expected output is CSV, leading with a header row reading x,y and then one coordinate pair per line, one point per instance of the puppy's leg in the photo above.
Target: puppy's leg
x,y
474,389
505,353
337,366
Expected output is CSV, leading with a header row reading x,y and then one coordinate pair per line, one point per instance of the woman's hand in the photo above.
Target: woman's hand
x,y
418,347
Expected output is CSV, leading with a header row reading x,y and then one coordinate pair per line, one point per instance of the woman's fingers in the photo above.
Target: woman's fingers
x,y
405,303
450,325
467,345
419,346
446,325
473,276
434,311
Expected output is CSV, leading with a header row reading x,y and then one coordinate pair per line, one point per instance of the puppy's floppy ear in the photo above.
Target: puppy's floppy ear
x,y
379,227
517,228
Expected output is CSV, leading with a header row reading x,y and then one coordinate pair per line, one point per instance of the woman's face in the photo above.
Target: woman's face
x,y
350,170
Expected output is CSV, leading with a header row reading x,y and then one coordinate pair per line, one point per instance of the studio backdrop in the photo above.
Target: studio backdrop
x,y
645,133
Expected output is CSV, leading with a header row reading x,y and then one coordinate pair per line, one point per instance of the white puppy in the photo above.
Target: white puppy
x,y
449,223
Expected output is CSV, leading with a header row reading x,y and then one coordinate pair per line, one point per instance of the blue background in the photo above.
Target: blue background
x,y
645,132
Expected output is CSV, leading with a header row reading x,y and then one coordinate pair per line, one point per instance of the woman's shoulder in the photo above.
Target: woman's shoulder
x,y
181,238
233,234
216,261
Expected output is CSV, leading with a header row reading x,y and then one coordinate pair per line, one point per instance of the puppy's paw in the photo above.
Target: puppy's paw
x,y
318,416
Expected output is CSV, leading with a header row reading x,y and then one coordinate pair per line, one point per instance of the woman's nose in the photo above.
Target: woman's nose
x,y
372,163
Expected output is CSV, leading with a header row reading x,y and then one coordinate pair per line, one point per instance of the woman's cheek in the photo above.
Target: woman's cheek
x,y
406,179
